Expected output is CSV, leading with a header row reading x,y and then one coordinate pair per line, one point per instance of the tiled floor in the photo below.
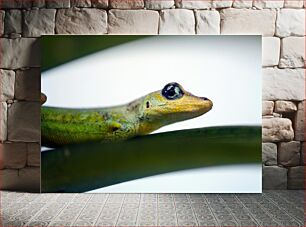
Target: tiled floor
x,y
271,208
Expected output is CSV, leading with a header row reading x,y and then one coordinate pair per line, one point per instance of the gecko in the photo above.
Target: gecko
x,y
65,126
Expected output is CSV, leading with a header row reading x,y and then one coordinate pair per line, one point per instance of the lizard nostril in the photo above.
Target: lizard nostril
x,y
204,98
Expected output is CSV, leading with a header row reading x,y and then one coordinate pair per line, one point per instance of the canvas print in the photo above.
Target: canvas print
x,y
144,114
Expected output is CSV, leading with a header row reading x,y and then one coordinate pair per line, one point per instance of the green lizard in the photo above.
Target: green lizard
x,y
63,126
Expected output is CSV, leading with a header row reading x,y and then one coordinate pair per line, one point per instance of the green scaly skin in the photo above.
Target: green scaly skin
x,y
64,126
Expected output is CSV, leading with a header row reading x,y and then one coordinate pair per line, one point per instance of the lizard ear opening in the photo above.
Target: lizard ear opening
x,y
147,104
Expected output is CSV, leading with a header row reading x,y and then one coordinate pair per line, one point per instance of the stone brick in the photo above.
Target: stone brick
x,y
7,81
80,3
303,160
299,122
191,4
207,22
13,22
55,4
261,4
24,122
20,53
3,121
39,22
99,3
221,3
126,4
13,155
283,84
178,21
290,22
33,158
289,153
15,4
242,4
25,180
267,107
2,14
296,177
293,4
38,3
285,106
269,154
277,129
248,21
274,177
133,22
293,52
27,85
270,51
81,21
159,4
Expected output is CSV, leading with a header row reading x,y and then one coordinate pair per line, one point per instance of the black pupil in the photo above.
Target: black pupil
x,y
172,91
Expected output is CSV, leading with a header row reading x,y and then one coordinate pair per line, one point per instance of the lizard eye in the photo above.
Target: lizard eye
x,y
172,91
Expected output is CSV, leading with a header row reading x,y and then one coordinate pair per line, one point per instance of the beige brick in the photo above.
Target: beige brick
x,y
293,52
99,3
289,153
277,129
2,14
242,4
261,4
303,158
293,4
81,21
269,154
3,121
126,4
25,180
299,122
192,4
270,51
296,177
283,84
39,22
33,158
274,177
80,3
290,22
133,22
285,106
221,3
207,22
7,81
24,122
178,21
27,86
248,21
55,4
38,3
13,155
267,107
20,53
13,21
159,4
15,4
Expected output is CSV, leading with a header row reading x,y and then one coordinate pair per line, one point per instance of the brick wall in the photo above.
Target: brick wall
x,y
281,22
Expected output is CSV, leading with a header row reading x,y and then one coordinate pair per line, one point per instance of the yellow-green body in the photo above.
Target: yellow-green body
x,y
62,126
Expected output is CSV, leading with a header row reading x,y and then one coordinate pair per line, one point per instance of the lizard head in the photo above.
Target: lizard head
x,y
169,105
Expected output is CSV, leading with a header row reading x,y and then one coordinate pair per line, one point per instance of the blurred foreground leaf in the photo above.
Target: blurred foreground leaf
x,y
61,49
85,167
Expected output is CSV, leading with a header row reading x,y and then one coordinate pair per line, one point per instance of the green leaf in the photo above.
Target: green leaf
x,y
85,167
